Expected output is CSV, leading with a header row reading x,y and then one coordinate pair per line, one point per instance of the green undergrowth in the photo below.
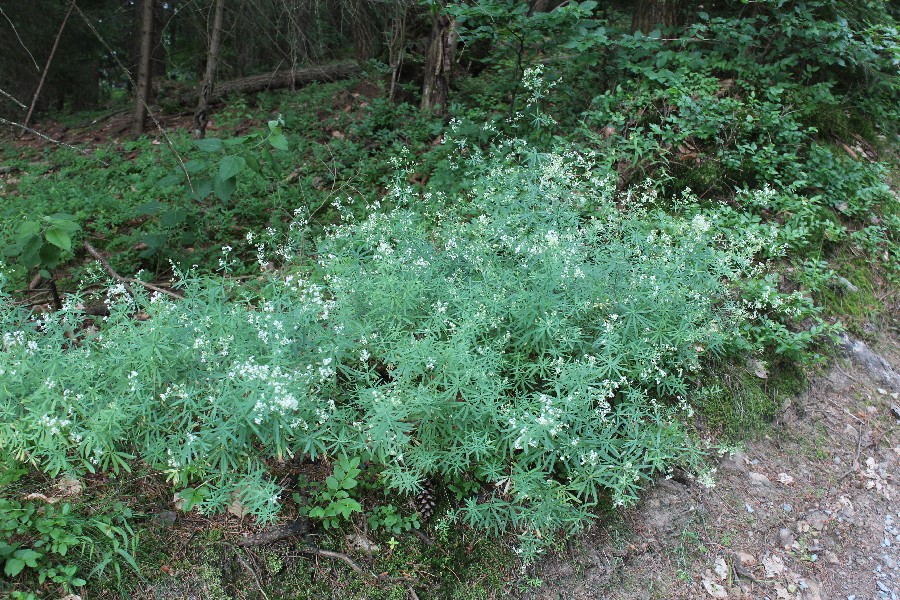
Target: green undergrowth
x,y
460,564
741,401
618,250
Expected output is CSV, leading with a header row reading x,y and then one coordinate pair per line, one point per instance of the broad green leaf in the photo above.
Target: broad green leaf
x,y
278,141
231,166
59,238
49,255
195,166
13,567
28,229
148,208
208,144
224,188
173,217
202,188
170,180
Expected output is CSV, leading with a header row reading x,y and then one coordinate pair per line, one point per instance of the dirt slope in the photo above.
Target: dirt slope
x,y
809,512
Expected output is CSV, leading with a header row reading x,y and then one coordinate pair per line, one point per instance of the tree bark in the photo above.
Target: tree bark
x,y
201,117
280,79
37,92
363,27
651,14
145,75
438,62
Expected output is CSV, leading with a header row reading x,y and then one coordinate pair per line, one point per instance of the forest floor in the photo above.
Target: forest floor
x,y
808,512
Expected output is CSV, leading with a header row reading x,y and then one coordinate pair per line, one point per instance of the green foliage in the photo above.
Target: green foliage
x,y
334,504
47,542
43,243
529,338
223,180
389,518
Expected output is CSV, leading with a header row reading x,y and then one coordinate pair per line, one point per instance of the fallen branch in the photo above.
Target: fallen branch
x,y
127,281
382,578
276,533
279,80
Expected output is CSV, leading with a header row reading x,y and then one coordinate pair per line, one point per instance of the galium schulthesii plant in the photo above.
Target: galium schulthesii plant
x,y
532,342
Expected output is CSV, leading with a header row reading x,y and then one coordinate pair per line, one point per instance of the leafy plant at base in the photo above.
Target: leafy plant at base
x,y
46,541
223,181
389,518
334,504
529,343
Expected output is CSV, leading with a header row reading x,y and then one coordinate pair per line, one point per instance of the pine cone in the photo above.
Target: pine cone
x,y
425,501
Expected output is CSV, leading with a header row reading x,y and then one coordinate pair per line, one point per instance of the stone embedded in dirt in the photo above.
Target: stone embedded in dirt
x,y
714,589
816,519
831,557
889,562
786,537
69,486
735,463
759,479
745,558
362,543
165,517
720,568
773,565
785,478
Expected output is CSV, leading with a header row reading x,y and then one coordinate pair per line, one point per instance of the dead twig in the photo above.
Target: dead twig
x,y
127,281
276,533
382,578
40,86
854,465
252,572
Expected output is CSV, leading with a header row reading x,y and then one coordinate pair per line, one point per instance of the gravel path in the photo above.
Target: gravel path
x,y
809,512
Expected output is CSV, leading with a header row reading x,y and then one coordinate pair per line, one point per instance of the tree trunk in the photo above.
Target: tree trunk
x,y
37,92
145,76
438,61
363,27
280,80
201,118
650,15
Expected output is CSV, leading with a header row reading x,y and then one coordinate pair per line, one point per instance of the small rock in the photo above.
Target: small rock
x,y
889,562
831,557
817,519
759,479
720,568
787,507
882,391
785,478
745,558
735,463
69,486
362,543
786,537
714,589
165,517
773,566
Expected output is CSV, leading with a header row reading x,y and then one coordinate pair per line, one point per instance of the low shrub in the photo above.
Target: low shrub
x,y
531,344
